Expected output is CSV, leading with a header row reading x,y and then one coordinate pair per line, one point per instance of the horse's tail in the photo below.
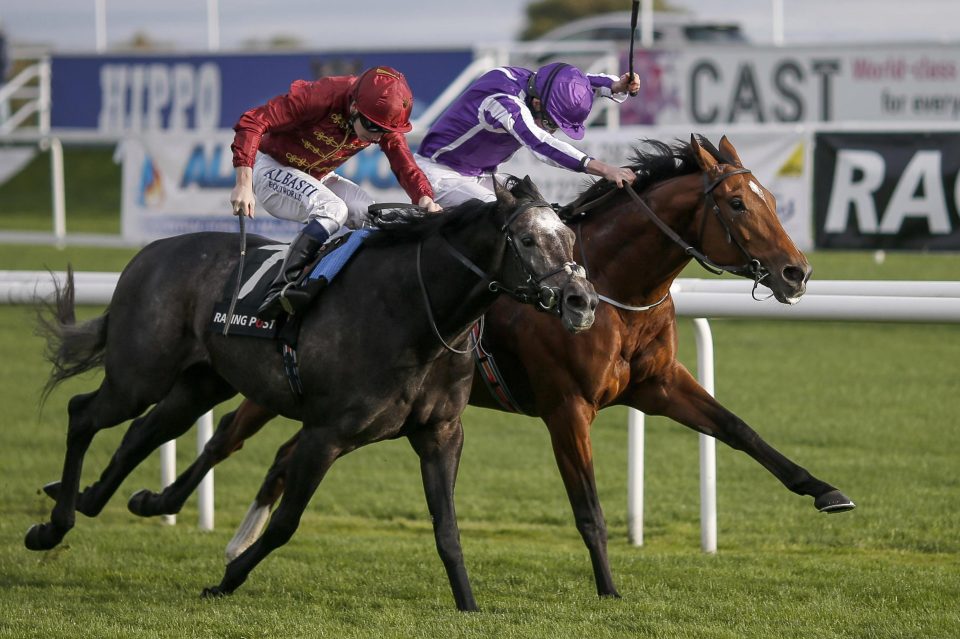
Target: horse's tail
x,y
72,348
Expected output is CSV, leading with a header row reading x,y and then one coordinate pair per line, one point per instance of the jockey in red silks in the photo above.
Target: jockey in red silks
x,y
509,108
286,150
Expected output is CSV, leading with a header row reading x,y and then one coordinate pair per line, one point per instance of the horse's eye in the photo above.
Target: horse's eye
x,y
527,240
737,205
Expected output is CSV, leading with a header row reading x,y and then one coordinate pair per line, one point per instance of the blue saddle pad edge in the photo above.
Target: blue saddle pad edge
x,y
333,262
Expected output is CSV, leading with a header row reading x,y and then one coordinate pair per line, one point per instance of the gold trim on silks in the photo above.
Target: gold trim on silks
x,y
297,161
307,167
382,71
310,166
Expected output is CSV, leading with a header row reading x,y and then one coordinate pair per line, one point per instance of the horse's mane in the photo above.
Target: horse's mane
x,y
653,161
411,224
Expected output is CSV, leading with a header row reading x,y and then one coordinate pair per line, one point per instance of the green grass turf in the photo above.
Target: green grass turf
x,y
92,193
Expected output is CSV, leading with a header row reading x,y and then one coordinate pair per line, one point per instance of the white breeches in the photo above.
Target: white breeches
x,y
450,188
291,194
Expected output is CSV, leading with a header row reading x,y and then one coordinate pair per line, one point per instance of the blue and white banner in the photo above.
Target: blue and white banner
x,y
175,184
115,94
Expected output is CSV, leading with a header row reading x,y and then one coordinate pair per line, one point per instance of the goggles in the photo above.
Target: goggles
x,y
372,127
548,122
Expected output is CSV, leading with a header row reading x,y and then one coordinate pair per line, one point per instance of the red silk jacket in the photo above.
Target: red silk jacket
x,y
309,129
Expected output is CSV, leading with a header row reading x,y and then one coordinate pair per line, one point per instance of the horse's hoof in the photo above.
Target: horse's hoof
x,y
42,537
213,592
52,490
834,502
138,503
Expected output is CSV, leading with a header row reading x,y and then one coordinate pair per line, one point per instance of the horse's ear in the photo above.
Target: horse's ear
x,y
531,188
726,147
704,158
504,196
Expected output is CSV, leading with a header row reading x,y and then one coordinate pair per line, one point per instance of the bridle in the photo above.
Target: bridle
x,y
751,269
532,291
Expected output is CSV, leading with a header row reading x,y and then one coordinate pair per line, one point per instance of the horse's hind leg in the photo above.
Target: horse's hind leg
x,y
313,457
232,430
89,413
197,390
259,512
439,450
691,405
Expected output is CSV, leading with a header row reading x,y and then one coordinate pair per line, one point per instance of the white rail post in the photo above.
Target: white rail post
x,y
168,471
59,192
635,435
205,494
708,445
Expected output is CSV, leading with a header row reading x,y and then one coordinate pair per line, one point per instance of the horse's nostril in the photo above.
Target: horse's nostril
x,y
576,302
794,274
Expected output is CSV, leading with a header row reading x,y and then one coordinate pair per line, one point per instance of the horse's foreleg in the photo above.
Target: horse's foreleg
x,y
690,404
569,426
232,430
89,413
313,457
439,450
258,514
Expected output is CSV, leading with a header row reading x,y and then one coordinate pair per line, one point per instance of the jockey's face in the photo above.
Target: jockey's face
x,y
365,134
542,119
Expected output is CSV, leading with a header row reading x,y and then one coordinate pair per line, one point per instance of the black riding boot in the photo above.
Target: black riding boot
x,y
283,296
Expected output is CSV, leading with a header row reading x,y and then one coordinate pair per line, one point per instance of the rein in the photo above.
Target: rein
x,y
426,301
532,291
610,300
752,269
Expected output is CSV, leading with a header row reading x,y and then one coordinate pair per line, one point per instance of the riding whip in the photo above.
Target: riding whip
x,y
236,291
633,36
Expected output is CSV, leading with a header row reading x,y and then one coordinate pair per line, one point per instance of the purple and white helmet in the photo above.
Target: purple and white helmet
x,y
566,95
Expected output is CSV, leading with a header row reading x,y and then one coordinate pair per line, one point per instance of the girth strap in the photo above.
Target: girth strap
x,y
490,373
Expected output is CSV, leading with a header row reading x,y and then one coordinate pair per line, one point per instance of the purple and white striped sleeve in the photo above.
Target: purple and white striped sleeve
x,y
509,113
602,84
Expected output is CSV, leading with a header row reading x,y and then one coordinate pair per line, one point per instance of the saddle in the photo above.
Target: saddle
x,y
259,271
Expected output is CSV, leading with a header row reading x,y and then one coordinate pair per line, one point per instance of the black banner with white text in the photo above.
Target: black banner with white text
x,y
887,191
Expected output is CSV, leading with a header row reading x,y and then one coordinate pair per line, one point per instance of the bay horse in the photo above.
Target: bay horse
x,y
690,201
386,329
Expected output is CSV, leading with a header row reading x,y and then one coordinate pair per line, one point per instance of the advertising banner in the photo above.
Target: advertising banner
x,y
887,191
179,184
697,85
175,184
718,85
115,94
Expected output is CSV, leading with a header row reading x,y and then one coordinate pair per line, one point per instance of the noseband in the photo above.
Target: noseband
x,y
532,291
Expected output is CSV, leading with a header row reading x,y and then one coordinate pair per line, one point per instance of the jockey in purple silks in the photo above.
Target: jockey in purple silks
x,y
509,108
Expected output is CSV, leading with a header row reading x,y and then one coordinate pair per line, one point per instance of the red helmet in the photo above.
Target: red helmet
x,y
383,96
